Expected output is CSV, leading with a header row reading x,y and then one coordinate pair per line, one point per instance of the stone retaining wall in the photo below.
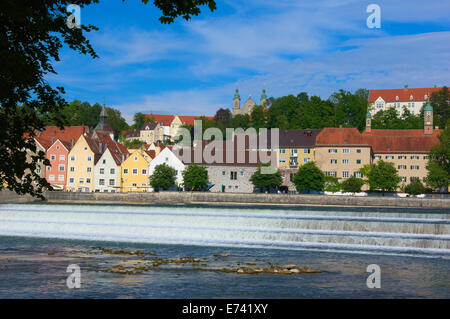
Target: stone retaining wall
x,y
230,198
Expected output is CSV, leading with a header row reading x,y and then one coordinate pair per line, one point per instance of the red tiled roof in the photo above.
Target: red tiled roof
x,y
100,141
69,133
189,119
340,136
152,154
416,132
403,94
165,119
402,144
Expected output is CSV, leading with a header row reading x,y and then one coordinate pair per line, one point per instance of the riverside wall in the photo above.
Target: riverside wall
x,y
229,199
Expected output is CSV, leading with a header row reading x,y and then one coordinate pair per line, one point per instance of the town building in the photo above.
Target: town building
x,y
134,172
56,173
166,156
107,171
165,123
412,99
342,152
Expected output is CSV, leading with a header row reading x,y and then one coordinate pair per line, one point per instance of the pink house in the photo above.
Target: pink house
x,y
57,154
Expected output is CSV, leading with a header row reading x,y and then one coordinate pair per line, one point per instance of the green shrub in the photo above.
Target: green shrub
x,y
415,188
352,185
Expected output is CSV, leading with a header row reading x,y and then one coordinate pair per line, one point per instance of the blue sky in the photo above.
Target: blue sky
x,y
289,46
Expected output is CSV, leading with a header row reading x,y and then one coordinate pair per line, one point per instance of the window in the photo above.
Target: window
x,y
402,157
283,174
72,169
414,167
345,161
51,178
61,168
223,173
414,179
85,148
89,169
112,171
88,180
282,160
144,172
81,181
346,151
358,161
379,105
390,157
403,179
291,177
358,175
333,161
71,180
306,160
49,168
89,158
345,174
282,151
378,157
294,152
102,171
358,151
102,182
167,159
332,150
307,151
332,173
135,171
402,167
134,185
52,157
38,170
112,182
242,173
125,170
57,147
104,161
72,158
426,157
135,158
414,157
143,184
233,175
62,157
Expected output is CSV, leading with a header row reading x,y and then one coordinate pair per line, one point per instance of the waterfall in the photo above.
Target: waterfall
x,y
422,232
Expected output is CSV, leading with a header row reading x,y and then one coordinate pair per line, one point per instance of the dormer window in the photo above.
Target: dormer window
x,y
411,98
425,97
396,98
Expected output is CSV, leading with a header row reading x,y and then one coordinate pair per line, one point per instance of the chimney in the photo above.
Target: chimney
x,y
340,127
406,87
72,142
100,147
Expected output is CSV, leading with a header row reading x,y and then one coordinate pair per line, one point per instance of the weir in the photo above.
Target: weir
x,y
370,230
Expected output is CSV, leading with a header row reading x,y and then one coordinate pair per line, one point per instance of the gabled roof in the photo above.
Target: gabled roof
x,y
100,141
189,119
404,95
67,145
414,132
151,126
69,133
165,119
342,136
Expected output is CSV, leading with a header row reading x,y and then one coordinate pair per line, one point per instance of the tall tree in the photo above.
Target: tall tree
x,y
439,163
163,177
139,120
440,101
31,36
383,176
222,118
266,181
195,177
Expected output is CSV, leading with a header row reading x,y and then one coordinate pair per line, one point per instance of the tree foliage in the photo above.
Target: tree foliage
x,y
195,177
439,163
415,188
440,101
332,184
163,177
266,181
32,34
309,177
352,185
383,176
391,119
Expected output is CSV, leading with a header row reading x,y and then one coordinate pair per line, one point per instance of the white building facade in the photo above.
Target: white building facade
x,y
106,174
168,157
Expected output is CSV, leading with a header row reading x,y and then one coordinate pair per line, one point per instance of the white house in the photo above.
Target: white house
x,y
168,157
107,173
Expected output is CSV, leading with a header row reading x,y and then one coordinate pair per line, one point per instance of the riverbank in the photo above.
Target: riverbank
x,y
229,199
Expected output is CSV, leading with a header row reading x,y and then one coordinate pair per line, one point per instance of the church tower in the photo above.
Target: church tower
x,y
263,100
236,102
428,118
368,123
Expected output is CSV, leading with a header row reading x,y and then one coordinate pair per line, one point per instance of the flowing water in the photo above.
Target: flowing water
x,y
39,241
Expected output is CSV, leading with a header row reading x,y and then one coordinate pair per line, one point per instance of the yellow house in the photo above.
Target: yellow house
x,y
80,165
134,171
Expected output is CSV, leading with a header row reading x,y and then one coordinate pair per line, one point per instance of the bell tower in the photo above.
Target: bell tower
x,y
236,102
263,100
368,123
428,118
